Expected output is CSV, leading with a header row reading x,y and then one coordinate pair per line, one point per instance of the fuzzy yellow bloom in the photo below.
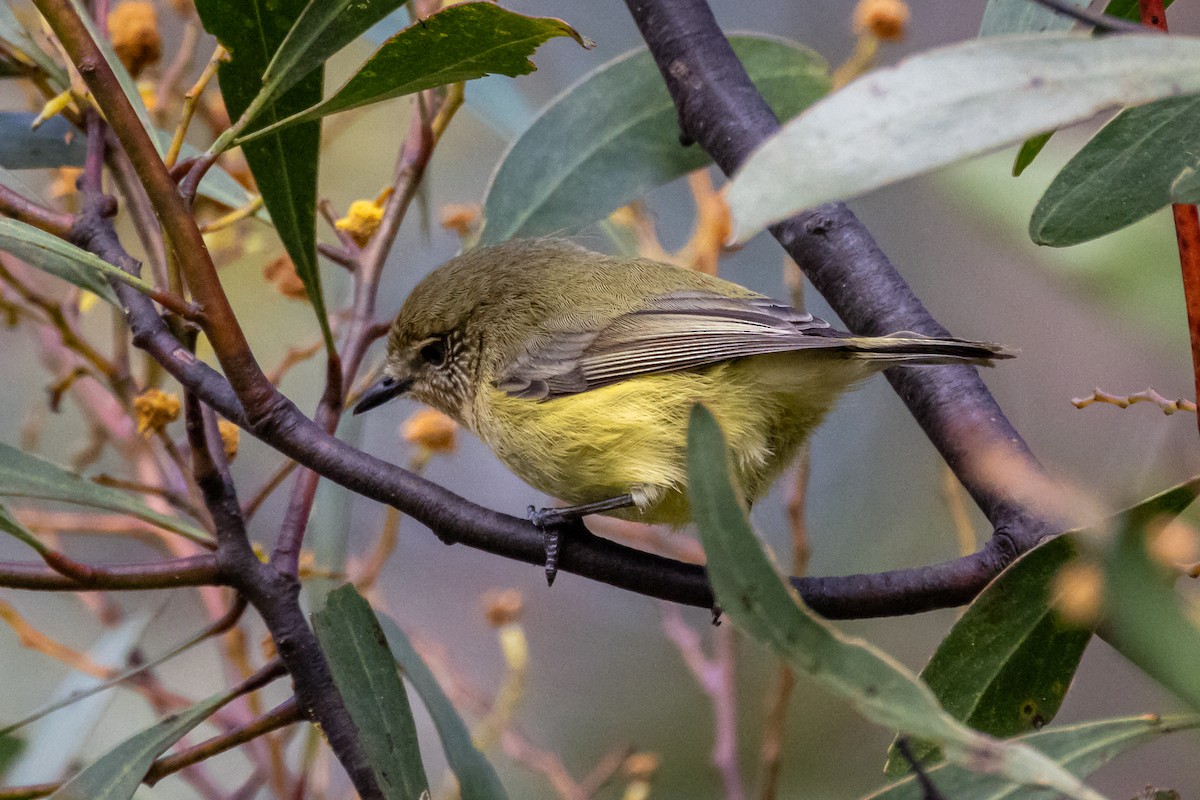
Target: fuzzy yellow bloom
x,y
462,218
431,430
282,273
155,410
362,220
884,19
1079,593
133,26
230,436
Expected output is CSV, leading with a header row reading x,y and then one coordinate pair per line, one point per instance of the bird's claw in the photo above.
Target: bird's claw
x,y
548,520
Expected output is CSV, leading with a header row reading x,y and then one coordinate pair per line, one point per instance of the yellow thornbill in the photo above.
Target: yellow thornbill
x,y
580,371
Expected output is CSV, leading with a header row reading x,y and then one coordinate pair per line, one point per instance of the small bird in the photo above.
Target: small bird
x,y
579,370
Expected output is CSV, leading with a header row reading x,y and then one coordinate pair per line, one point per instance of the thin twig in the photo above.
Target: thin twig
x,y
1098,20
1148,395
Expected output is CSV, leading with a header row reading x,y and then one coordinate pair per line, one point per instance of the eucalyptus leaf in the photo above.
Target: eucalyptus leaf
x,y
613,136
458,43
53,743
55,143
1007,663
17,35
10,748
60,258
948,104
1030,149
128,84
1129,9
27,476
477,779
1123,174
365,674
1002,17
1144,619
284,164
751,592
1081,748
117,774
10,525
324,27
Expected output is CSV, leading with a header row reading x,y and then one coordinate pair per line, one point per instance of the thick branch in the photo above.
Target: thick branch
x,y
720,109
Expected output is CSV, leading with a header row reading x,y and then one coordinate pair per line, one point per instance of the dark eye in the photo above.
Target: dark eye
x,y
435,352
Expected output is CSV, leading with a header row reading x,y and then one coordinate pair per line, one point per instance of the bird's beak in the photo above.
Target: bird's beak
x,y
381,392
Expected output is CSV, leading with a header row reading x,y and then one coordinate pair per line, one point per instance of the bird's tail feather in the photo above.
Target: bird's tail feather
x,y
915,348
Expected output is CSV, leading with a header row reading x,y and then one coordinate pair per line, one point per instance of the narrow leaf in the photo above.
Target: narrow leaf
x,y
54,144
948,104
128,84
117,774
324,27
1007,663
1081,748
52,744
1024,16
1129,9
365,674
613,136
477,779
1123,174
1186,186
18,36
1144,618
751,592
10,748
10,525
1030,149
284,164
60,258
456,44
23,475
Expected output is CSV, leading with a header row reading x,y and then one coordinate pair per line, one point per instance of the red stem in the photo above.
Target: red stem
x,y
1187,229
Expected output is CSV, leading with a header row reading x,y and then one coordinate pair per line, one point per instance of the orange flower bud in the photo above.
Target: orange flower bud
x,y
885,19
282,273
133,26
431,430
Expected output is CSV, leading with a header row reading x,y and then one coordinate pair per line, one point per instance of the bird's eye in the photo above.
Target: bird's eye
x,y
435,352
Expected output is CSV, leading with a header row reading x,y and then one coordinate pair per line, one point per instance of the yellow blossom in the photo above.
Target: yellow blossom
x,y
462,218
282,273
362,220
431,430
230,436
133,27
155,410
1079,593
884,19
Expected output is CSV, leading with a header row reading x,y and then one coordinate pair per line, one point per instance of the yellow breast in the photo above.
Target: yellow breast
x,y
631,437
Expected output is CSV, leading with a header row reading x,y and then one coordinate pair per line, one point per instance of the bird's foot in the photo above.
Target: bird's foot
x,y
551,521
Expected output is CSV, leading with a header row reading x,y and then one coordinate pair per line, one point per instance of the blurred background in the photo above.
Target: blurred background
x,y
602,675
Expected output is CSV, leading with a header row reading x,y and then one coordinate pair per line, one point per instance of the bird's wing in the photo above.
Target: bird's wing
x,y
676,331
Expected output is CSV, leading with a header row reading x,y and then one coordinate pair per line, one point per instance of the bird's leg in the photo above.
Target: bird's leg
x,y
551,521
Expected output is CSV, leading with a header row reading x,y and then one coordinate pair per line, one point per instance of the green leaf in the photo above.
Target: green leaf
x,y
365,674
10,525
1024,16
18,37
55,143
128,84
1122,175
60,258
477,779
284,164
1128,9
54,743
117,774
613,136
324,27
1007,663
23,475
751,593
948,104
1081,748
1030,149
10,748
456,44
1144,619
